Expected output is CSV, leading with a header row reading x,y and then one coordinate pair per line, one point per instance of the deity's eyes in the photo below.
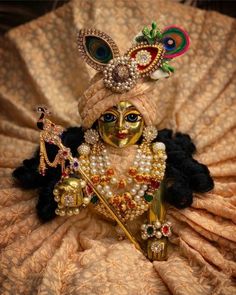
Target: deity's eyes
x,y
108,117
132,117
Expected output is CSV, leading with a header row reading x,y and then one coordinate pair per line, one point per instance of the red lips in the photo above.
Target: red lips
x,y
121,135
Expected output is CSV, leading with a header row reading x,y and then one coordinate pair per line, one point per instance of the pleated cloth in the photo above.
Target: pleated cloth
x,y
39,64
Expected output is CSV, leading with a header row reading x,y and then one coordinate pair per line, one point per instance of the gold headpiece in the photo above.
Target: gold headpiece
x,y
149,57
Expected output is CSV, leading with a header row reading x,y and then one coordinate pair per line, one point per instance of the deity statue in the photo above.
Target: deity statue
x,y
117,163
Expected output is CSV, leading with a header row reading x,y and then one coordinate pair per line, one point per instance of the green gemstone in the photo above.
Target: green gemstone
x,y
150,230
148,198
94,199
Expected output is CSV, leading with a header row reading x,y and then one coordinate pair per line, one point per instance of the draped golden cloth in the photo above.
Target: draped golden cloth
x,y
39,64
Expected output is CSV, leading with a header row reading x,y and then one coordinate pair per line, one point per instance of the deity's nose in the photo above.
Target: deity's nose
x,y
120,123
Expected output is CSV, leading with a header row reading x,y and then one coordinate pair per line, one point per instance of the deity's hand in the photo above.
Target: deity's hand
x,y
157,250
156,233
69,195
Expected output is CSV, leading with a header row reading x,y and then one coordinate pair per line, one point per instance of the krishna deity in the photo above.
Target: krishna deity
x,y
117,163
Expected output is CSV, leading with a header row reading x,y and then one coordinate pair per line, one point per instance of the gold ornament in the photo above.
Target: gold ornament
x,y
68,193
121,74
91,136
150,133
143,178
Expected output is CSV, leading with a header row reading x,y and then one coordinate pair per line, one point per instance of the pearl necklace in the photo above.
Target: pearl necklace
x,y
143,177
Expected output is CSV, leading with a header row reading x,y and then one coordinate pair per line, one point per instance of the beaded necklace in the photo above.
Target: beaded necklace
x,y
143,177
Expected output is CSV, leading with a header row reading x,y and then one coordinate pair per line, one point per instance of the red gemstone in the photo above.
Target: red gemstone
x,y
154,184
89,189
132,171
145,178
122,184
165,230
139,178
131,205
153,51
110,172
95,179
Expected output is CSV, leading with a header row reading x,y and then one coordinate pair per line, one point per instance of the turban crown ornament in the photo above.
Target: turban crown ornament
x,y
149,57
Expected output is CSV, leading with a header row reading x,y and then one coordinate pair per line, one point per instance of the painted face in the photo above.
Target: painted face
x,y
121,125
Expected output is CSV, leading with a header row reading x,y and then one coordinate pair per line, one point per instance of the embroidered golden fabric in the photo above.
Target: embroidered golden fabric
x,y
39,64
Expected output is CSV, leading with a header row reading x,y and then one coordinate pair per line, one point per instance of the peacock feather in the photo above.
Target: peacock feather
x,y
98,49
175,40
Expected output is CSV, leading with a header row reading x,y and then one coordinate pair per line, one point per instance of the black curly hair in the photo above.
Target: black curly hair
x,y
184,175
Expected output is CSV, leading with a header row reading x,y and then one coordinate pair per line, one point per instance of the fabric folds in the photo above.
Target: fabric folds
x,y
39,64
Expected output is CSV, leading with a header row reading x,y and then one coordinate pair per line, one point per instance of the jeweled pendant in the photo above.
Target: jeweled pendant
x,y
148,57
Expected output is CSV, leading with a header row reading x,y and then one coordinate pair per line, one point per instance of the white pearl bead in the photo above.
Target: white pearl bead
x,y
137,198
158,146
113,180
109,194
143,156
108,163
100,165
144,187
157,224
143,226
135,163
137,157
140,169
141,193
92,158
99,187
129,180
83,183
158,234
76,211
86,200
104,151
142,163
138,151
100,158
137,186
146,169
106,188
144,237
102,171
133,191
93,164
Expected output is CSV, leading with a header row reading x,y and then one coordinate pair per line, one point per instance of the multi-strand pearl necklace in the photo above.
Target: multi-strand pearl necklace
x,y
143,177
